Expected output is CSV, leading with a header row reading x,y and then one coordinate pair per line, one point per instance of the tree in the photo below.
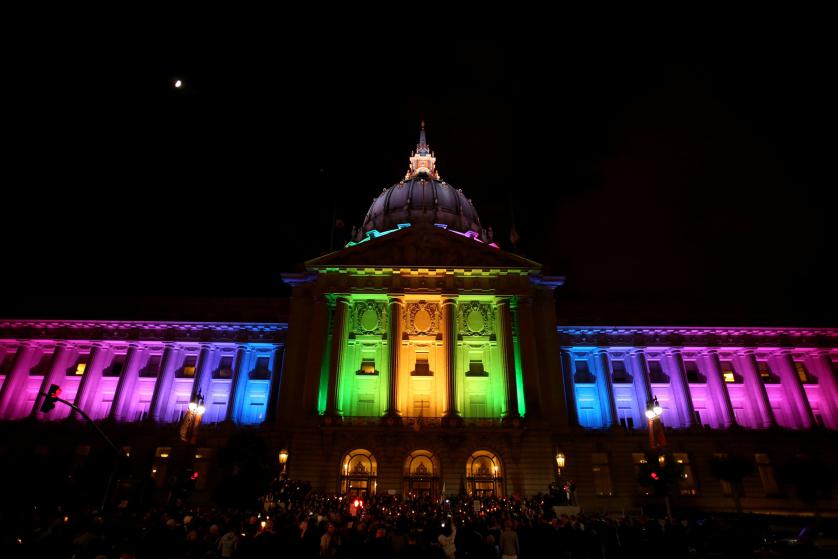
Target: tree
x,y
662,474
732,469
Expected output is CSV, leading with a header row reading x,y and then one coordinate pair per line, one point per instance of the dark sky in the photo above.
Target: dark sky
x,y
672,179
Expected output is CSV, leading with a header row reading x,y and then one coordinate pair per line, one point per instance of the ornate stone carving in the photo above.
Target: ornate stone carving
x,y
474,319
369,317
422,318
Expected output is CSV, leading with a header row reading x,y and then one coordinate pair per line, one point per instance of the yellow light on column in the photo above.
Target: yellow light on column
x,y
283,456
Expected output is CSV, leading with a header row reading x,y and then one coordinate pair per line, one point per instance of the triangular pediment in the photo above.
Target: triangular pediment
x,y
422,246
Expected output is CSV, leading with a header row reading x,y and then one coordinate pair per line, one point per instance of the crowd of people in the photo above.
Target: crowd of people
x,y
298,523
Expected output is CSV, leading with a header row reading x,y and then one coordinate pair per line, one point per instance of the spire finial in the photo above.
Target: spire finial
x,y
423,142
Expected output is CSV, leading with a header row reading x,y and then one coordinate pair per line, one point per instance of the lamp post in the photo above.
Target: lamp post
x,y
653,414
189,426
283,461
560,461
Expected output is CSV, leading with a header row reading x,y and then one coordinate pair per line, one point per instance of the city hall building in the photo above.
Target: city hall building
x,y
423,359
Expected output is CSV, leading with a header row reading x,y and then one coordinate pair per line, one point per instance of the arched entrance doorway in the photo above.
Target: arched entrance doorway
x,y
484,475
358,471
421,475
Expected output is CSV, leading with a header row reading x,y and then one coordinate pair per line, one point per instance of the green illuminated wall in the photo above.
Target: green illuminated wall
x,y
477,342
363,394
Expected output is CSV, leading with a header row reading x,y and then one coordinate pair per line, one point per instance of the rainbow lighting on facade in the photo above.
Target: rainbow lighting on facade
x,y
703,377
133,371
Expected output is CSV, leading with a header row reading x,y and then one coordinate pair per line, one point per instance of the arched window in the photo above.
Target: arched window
x,y
421,475
484,475
358,471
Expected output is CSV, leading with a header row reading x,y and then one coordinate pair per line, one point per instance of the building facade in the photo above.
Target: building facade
x,y
422,359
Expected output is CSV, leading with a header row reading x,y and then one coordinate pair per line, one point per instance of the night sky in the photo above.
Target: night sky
x,y
673,180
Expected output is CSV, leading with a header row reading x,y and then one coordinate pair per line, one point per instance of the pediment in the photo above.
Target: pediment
x,y
422,246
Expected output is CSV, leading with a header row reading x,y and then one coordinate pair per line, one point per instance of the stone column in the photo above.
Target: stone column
x,y
640,382
238,384
203,372
757,396
717,389
159,408
508,352
824,370
13,387
605,389
680,388
339,325
569,388
120,410
55,375
90,381
395,309
449,310
795,394
529,357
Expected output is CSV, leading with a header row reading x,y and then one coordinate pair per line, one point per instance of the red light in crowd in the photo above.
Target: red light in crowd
x,y
195,475
654,476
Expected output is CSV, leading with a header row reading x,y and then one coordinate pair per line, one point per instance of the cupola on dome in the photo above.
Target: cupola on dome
x,y
423,197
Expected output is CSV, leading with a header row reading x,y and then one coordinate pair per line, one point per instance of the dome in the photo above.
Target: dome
x,y
422,197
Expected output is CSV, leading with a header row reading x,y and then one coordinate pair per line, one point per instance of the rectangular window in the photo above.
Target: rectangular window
x,y
686,485
367,367
188,369
421,407
80,367
602,474
656,373
225,368
422,367
152,367
728,373
803,373
7,360
637,460
727,488
262,369
619,373
475,368
477,405
115,368
366,405
583,373
766,474
694,376
765,374
42,367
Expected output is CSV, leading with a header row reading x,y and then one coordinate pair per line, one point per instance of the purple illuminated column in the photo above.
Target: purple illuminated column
x,y
57,372
449,313
508,352
640,380
238,384
12,391
394,342
90,382
203,375
795,397
824,370
339,326
717,389
680,388
605,390
124,395
159,408
757,397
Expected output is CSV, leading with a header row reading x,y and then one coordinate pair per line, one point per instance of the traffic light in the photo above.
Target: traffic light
x,y
50,398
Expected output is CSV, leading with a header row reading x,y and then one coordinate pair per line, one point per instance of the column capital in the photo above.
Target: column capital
x,y
135,345
746,352
673,351
448,300
709,351
395,300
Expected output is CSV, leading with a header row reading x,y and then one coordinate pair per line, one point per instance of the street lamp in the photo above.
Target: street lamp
x,y
560,460
283,460
196,405
654,411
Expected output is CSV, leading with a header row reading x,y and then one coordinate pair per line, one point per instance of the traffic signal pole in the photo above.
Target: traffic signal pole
x,y
117,451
